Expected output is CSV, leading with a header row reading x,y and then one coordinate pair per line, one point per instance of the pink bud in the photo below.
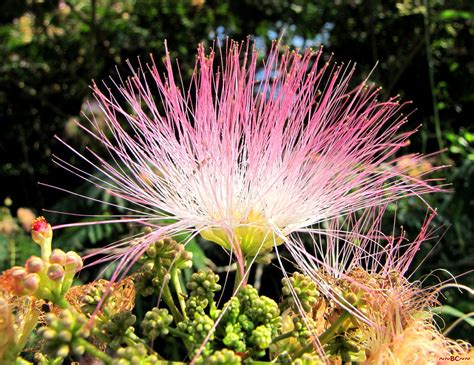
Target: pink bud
x,y
42,234
55,272
57,257
41,230
34,264
18,273
31,282
73,260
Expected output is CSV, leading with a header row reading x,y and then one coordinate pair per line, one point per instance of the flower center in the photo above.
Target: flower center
x,y
252,233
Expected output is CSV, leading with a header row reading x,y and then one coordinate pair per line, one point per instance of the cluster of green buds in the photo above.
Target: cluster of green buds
x,y
300,299
162,262
349,346
249,324
200,312
202,286
116,330
195,331
344,339
308,359
244,328
50,276
340,334
135,355
224,356
94,295
302,287
64,334
156,323
113,325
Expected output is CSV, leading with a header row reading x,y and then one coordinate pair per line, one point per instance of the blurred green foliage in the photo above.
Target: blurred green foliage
x,y
52,49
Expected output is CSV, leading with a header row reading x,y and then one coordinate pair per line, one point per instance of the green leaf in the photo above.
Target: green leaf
x,y
199,257
450,14
451,311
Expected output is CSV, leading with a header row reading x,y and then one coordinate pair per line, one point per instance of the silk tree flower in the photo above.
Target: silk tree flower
x,y
395,322
248,153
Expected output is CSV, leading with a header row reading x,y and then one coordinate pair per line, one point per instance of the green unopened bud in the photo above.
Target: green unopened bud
x,y
48,334
34,264
31,282
55,272
304,288
42,234
65,336
261,337
156,323
204,284
151,251
351,298
79,350
57,257
224,356
67,318
63,333
136,354
63,351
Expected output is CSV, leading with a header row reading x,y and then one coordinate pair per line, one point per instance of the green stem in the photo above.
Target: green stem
x,y
166,292
328,334
331,331
11,243
132,339
60,301
434,98
179,291
238,275
238,278
283,336
168,298
94,351
46,249
179,333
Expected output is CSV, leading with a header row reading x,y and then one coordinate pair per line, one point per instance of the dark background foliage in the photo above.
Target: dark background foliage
x,y
51,50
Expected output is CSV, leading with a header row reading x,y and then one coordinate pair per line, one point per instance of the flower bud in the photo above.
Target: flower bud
x,y
34,264
42,234
151,251
41,230
18,273
57,257
26,218
66,318
55,272
63,351
351,298
31,282
49,334
79,350
73,260
65,336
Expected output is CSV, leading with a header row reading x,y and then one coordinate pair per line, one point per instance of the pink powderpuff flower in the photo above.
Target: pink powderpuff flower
x,y
394,316
248,154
